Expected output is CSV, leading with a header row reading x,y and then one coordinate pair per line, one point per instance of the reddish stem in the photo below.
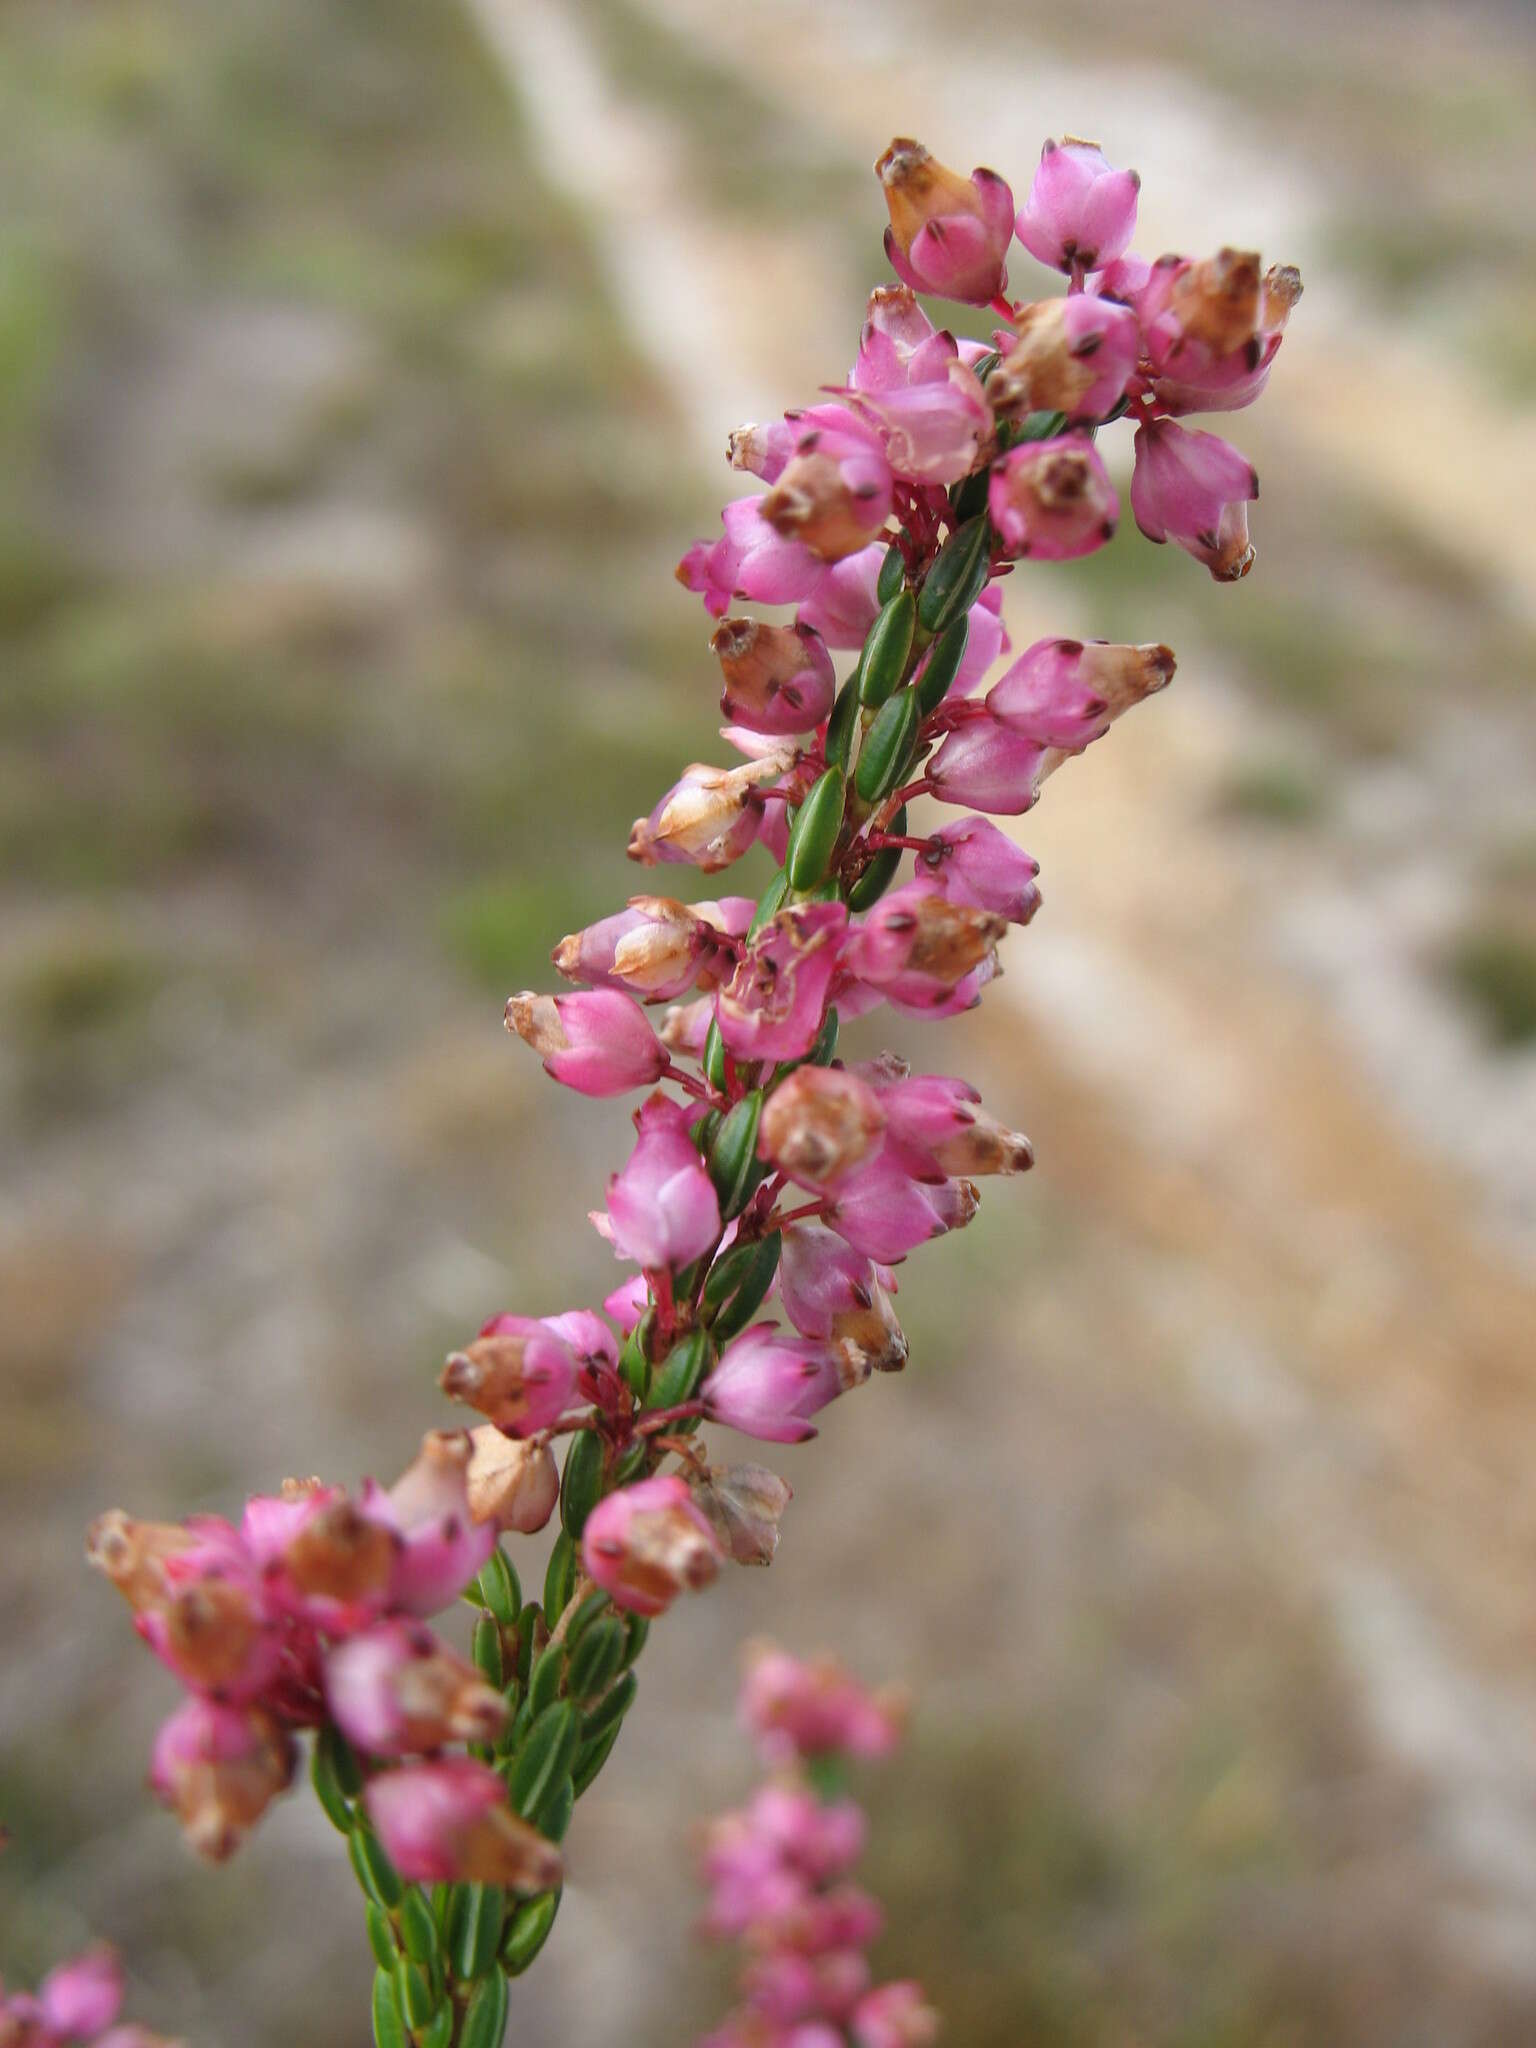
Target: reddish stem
x,y
899,797
778,1221
881,840
658,1418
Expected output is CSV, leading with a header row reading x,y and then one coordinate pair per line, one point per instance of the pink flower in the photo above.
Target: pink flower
x,y
763,450
767,1385
440,1546
662,1205
787,1987
894,2016
821,1838
218,1768
985,764
1081,212
1212,329
518,1373
710,816
1074,355
842,604
818,1124
834,495
899,345
839,1297
1194,488
773,1005
511,1484
449,1823
971,862
752,560
655,948
797,1708
214,1631
948,235
83,1997
597,1042
647,1543
936,1128
923,952
883,1212
395,1690
1052,500
628,1302
778,679
1066,693
934,430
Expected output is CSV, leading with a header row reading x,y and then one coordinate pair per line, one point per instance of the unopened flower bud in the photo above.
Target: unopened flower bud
x,y
512,1484
449,1823
1074,355
818,1124
948,235
768,1385
522,1377
744,1504
647,1543
972,862
778,679
834,495
442,1545
396,1690
985,764
1194,488
1081,211
1052,500
215,1638
662,1205
218,1768
596,1041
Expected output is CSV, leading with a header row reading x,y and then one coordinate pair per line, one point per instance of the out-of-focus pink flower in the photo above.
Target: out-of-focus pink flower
x,y
922,951
768,1385
647,1543
80,1999
751,560
773,1005
972,862
1073,355
1194,488
218,1768
596,1041
518,1373
1052,500
984,764
449,1823
786,1987
396,1690
819,1124
839,1297
778,679
511,1484
793,1707
1081,212
709,817
662,1204
820,1837
214,1630
883,1212
763,450
834,495
948,235
628,1301
842,605
440,1546
894,2016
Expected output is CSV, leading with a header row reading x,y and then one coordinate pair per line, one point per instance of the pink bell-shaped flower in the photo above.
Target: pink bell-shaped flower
x,y
838,1296
922,951
751,560
983,763
819,1124
440,1545
774,1004
898,344
842,604
894,2015
948,235
884,1213
1073,355
971,862
81,1998
647,1543
1194,488
1081,212
449,1823
710,816
518,1373
834,495
597,1041
396,1690
1052,501
934,430
936,1129
778,679
793,1707
662,1205
768,1384
655,948
218,1768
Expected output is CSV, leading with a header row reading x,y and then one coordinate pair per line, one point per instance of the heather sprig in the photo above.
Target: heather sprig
x,y
772,1188
77,2005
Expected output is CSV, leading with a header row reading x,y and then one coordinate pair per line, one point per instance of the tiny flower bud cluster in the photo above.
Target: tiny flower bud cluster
x,y
777,1872
76,2006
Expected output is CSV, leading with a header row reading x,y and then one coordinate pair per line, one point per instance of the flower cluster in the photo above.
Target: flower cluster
x,y
310,1614
773,1187
777,1870
75,2006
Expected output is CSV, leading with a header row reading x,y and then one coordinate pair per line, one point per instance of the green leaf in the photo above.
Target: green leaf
x,y
677,1378
527,1623
733,1162
414,1994
546,1756
553,1818
592,1755
881,872
634,1368
589,1610
813,836
544,1679
375,1873
893,575
581,1482
479,1913
887,747
768,905
499,1588
713,1057
381,1935
943,664
596,1659
388,2027
637,1627
485,2017
487,1651
841,726
418,1930
887,650
438,2033
559,1576
958,575
752,1289
326,1779
527,1933
612,1709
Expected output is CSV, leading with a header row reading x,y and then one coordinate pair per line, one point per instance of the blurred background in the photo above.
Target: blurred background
x,y
364,369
